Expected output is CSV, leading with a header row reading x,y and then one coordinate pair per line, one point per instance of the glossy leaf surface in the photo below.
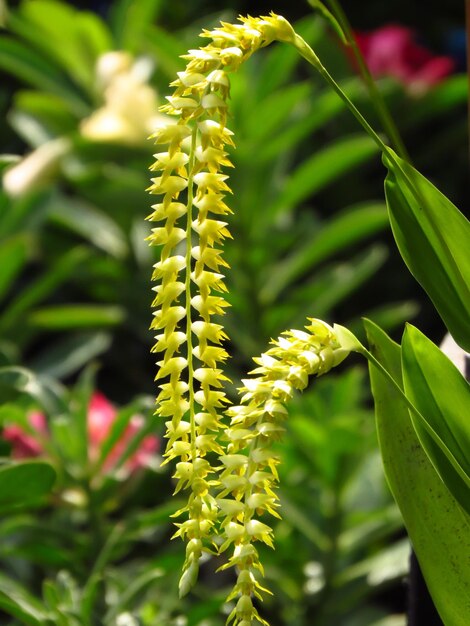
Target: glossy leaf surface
x,y
433,237
438,528
442,396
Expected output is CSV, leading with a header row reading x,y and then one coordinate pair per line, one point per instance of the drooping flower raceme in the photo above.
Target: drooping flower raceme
x,y
249,474
190,286
190,290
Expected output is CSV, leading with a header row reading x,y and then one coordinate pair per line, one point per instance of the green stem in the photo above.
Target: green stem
x,y
351,343
189,207
375,95
95,521
306,51
309,55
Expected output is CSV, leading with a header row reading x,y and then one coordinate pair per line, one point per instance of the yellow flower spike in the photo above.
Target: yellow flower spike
x,y
193,190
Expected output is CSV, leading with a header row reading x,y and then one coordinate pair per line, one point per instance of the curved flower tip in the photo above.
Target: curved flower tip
x,y
348,341
392,51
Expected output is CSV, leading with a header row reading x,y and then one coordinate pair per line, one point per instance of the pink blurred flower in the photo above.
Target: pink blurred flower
x,y
25,445
393,51
101,416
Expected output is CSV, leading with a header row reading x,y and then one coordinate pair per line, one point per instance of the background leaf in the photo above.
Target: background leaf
x,y
323,168
24,482
17,602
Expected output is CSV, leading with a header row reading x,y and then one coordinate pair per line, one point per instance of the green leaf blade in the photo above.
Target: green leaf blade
x,y
438,527
24,482
433,239
323,168
442,396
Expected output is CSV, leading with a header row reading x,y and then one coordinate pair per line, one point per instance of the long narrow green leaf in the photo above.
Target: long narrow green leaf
x,y
93,34
327,105
433,238
61,317
18,380
335,283
130,19
42,287
20,604
270,114
388,316
450,93
349,227
323,168
71,353
13,255
81,397
116,431
164,47
138,585
438,527
21,62
24,214
57,31
442,396
91,223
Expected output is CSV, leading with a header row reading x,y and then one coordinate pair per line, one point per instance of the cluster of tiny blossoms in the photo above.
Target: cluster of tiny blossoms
x,y
249,474
190,180
190,286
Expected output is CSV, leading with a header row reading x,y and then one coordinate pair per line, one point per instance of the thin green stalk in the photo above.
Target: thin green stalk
x,y
371,358
375,95
309,55
189,207
306,51
351,343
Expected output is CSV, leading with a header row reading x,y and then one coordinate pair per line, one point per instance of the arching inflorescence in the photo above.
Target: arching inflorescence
x,y
230,498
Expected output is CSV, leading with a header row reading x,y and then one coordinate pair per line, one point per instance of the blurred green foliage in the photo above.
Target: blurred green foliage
x,y
310,238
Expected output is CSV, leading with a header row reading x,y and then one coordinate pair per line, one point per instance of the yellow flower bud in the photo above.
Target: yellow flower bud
x,y
188,579
245,607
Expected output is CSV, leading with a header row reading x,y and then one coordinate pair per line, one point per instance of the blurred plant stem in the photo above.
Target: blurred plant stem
x,y
375,95
96,522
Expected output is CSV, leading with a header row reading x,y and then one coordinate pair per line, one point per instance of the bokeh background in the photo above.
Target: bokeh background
x,y
81,85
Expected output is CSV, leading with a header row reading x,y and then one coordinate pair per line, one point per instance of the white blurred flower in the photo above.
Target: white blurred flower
x,y
36,169
130,110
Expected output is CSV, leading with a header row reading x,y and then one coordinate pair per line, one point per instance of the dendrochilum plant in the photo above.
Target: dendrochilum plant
x,y
225,501
223,454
